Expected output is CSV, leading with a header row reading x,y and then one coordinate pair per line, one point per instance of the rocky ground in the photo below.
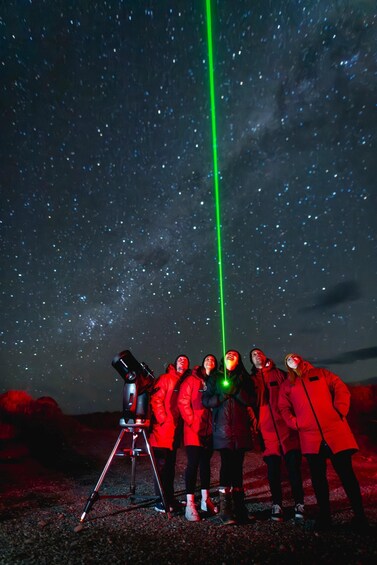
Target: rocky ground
x,y
41,501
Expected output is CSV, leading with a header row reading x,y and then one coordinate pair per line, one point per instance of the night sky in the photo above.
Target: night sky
x,y
108,218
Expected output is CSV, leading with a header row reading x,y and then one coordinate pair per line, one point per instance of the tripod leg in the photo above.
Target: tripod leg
x,y
155,471
133,463
94,495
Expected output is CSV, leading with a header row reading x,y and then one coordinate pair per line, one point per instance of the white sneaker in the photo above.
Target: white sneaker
x,y
191,513
159,507
299,512
209,506
276,513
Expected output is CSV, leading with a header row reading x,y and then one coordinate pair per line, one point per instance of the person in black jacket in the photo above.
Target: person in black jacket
x,y
229,394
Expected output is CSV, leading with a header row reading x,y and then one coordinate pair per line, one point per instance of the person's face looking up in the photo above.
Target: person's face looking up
x,y
182,364
209,364
293,361
231,360
258,358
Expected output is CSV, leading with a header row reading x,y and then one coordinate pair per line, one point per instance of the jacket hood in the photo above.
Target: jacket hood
x,y
305,366
199,372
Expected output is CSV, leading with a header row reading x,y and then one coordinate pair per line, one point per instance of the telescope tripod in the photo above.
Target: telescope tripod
x,y
137,430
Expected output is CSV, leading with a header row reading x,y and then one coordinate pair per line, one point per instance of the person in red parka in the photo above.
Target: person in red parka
x,y
279,441
165,427
197,436
316,402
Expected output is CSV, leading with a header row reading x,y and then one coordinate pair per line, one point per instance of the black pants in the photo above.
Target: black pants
x,y
165,461
342,463
198,457
293,463
231,470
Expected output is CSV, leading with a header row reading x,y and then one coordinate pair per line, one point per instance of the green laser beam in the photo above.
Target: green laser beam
x,y
215,169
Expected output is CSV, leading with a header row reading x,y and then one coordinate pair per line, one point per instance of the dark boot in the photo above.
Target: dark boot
x,y
323,523
241,512
225,515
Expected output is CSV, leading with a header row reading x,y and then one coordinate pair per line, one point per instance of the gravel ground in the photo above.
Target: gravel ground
x,y
40,509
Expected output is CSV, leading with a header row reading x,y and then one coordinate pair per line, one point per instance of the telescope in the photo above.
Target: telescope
x,y
138,382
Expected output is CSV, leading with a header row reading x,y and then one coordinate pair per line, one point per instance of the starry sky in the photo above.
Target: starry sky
x,y
107,210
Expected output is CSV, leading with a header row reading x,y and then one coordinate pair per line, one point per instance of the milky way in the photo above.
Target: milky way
x,y
108,225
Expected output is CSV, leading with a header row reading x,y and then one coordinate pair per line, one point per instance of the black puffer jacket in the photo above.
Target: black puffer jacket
x,y
231,421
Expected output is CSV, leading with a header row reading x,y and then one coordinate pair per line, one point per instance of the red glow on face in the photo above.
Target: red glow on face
x,y
293,360
258,358
182,364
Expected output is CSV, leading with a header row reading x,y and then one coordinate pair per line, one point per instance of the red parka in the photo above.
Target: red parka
x,y
165,413
330,399
197,427
277,437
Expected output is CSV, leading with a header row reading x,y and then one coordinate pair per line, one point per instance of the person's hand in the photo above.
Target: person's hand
x,y
227,388
254,427
258,441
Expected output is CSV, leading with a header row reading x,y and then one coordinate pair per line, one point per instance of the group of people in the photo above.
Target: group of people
x,y
299,411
